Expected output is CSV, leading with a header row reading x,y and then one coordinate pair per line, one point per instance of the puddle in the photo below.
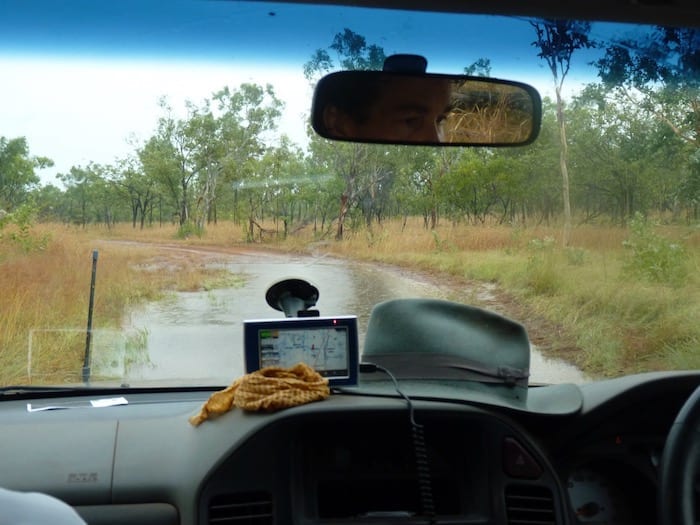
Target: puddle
x,y
197,337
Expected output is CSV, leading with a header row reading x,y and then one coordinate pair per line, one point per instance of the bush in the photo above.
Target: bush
x,y
188,230
654,258
18,228
575,256
542,277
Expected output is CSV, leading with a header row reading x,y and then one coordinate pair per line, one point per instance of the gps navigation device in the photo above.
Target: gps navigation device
x,y
329,345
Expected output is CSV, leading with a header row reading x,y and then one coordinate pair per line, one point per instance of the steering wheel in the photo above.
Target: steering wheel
x,y
679,466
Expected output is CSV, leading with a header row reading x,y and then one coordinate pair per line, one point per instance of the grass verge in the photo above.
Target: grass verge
x,y
45,294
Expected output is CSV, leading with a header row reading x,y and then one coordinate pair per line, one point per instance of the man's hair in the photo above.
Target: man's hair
x,y
351,92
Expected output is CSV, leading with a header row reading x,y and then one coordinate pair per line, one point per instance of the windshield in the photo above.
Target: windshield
x,y
158,173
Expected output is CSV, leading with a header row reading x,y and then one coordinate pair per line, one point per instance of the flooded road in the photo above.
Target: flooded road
x,y
197,337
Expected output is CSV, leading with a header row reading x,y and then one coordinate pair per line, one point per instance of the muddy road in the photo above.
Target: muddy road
x,y
196,337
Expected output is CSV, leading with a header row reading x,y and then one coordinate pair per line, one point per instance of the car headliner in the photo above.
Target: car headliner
x,y
659,12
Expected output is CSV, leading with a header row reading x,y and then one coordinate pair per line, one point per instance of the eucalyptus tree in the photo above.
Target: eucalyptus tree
x,y
483,184
430,174
627,161
281,175
232,133
219,141
133,186
660,72
351,51
18,171
86,195
324,185
166,158
50,202
542,169
352,162
557,40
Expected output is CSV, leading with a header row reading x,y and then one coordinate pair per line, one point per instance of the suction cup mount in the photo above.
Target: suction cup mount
x,y
294,297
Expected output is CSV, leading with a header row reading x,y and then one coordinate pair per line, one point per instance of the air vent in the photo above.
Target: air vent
x,y
529,504
243,508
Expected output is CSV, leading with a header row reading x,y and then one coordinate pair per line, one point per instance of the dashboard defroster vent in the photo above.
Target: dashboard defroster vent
x,y
529,504
242,508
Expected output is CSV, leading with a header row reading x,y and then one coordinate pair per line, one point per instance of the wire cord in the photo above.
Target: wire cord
x,y
420,451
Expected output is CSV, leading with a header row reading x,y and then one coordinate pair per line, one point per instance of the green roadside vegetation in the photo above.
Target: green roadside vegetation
x,y
616,301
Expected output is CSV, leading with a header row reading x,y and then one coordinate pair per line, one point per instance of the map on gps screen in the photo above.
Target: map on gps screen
x,y
323,349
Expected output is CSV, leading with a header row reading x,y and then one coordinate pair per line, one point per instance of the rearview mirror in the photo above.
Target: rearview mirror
x,y
419,108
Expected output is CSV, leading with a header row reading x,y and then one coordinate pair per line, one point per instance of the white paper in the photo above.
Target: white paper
x,y
42,408
110,402
94,403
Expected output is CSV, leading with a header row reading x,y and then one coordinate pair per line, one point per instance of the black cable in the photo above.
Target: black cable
x,y
425,484
420,451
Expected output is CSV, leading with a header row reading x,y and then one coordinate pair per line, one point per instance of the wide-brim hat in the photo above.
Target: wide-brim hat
x,y
435,347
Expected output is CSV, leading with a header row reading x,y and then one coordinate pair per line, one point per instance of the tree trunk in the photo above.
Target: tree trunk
x,y
341,217
563,157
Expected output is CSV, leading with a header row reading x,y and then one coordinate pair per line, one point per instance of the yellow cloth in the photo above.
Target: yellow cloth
x,y
270,388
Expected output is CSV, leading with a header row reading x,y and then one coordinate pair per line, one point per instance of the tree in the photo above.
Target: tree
x,y
557,40
166,159
17,176
479,68
352,52
350,161
84,193
50,201
664,68
131,181
660,73
220,140
627,161
233,138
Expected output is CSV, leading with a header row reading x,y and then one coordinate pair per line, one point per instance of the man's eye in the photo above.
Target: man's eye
x,y
413,122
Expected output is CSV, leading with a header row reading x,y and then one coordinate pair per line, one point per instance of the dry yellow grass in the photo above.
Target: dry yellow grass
x,y
49,290
394,236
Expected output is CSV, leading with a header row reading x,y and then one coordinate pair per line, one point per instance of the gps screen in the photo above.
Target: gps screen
x,y
328,345
323,349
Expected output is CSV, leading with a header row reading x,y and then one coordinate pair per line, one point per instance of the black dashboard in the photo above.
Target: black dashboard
x,y
361,467
350,459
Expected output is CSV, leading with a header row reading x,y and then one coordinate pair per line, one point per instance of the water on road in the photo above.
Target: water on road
x,y
197,337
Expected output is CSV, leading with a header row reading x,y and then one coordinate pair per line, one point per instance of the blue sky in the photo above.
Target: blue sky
x,y
81,78
225,30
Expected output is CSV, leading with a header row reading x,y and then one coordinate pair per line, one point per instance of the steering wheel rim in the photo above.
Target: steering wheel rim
x,y
679,466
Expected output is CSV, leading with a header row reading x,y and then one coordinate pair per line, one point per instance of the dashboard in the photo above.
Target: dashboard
x,y
351,459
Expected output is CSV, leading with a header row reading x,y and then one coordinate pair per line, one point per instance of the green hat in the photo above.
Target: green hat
x,y
440,349
428,338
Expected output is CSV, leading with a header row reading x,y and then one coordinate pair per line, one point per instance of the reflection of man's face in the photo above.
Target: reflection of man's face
x,y
412,111
406,110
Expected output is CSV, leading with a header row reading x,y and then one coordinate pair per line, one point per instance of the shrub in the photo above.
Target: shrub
x,y
188,230
575,256
18,228
542,277
654,258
